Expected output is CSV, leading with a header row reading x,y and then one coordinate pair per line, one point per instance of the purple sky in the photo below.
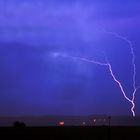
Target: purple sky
x,y
33,82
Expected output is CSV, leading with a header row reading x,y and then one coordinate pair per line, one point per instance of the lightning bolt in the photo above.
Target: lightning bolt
x,y
135,88
109,66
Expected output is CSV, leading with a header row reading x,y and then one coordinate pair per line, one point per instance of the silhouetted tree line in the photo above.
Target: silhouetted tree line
x,y
19,124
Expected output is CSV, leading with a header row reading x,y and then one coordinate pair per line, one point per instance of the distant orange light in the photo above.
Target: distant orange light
x,y
61,123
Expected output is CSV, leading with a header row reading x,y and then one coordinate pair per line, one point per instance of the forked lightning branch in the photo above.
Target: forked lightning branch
x,y
109,66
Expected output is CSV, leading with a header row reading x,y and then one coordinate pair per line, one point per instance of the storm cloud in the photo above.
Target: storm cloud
x,y
33,82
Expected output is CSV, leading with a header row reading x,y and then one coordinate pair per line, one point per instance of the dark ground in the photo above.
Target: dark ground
x,y
71,133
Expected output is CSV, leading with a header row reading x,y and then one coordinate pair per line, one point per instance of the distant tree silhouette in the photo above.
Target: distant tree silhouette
x,y
19,124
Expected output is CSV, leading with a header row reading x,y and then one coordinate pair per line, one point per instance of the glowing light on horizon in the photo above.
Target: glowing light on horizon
x,y
61,123
94,120
84,123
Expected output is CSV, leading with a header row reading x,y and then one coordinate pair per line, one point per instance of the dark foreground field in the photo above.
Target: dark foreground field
x,y
70,133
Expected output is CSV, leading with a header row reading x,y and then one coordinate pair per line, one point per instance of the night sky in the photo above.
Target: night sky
x,y
38,76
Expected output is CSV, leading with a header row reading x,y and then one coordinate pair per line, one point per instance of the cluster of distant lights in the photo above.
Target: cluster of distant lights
x,y
94,121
